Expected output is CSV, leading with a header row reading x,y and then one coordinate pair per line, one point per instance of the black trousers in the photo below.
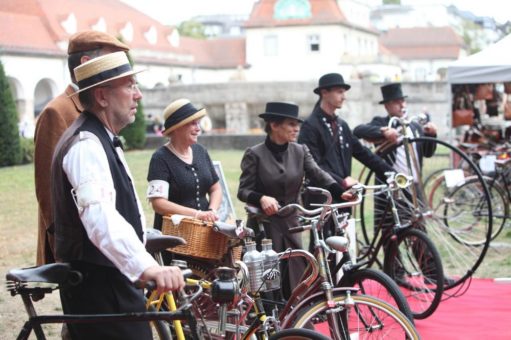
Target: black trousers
x,y
104,290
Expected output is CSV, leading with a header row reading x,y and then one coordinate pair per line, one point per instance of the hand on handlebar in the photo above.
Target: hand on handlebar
x,y
269,205
166,278
391,135
430,129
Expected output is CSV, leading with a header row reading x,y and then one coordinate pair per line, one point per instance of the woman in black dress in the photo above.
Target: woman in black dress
x,y
182,179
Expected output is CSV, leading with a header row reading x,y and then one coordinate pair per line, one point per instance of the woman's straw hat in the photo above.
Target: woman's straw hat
x,y
180,112
103,69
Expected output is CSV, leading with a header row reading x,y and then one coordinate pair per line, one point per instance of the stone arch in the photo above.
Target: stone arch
x,y
45,90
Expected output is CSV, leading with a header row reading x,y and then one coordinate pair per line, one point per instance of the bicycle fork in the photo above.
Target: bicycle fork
x,y
171,303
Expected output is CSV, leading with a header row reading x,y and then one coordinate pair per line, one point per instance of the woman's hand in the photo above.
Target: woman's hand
x,y
208,215
348,196
269,205
348,182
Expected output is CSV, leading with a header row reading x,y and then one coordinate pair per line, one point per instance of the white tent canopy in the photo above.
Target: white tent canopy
x,y
491,65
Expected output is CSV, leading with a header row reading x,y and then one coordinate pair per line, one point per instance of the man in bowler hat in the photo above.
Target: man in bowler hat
x,y
329,138
56,117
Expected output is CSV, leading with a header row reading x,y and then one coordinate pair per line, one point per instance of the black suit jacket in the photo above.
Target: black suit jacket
x,y
329,154
372,132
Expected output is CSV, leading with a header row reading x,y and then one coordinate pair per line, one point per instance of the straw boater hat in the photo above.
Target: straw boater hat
x,y
180,112
103,69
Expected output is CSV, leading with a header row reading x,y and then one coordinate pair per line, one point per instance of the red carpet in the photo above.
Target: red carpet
x,y
483,312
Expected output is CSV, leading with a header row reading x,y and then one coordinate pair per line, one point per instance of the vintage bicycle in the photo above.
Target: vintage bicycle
x,y
440,217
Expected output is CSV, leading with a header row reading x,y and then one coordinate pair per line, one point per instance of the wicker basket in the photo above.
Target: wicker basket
x,y
202,241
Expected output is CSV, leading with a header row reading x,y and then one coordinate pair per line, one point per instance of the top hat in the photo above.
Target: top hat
x,y
330,80
102,69
278,110
391,92
92,40
178,113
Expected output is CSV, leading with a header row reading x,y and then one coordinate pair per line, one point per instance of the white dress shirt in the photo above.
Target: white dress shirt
x,y
86,165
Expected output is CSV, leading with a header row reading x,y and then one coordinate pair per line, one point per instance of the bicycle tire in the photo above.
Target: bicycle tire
x,y
414,263
459,260
298,334
378,284
470,202
367,318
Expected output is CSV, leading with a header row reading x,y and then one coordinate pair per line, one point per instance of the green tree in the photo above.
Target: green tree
x,y
391,2
192,29
10,150
134,134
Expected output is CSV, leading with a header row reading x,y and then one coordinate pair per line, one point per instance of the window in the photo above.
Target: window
x,y
271,46
313,43
292,9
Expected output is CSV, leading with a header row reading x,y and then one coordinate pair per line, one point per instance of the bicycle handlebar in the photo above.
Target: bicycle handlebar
x,y
151,284
421,118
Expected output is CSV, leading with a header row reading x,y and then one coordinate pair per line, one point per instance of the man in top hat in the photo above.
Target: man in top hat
x,y
56,117
99,221
377,131
395,105
329,137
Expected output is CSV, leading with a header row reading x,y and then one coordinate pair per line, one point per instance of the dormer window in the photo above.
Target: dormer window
x,y
174,38
127,32
151,35
69,25
292,9
100,25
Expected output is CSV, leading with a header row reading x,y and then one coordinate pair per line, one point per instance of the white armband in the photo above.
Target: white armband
x,y
92,192
158,188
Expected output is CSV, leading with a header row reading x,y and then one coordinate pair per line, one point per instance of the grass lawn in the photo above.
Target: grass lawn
x,y
18,225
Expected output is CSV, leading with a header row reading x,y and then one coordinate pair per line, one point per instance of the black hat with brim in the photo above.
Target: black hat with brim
x,y
279,110
391,92
331,80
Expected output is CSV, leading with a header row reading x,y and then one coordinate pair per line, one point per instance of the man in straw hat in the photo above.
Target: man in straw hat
x,y
99,222
56,117
329,138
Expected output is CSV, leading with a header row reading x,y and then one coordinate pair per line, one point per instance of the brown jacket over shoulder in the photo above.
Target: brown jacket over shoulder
x,y
56,117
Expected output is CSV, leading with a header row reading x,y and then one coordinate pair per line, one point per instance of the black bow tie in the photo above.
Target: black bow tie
x,y
118,142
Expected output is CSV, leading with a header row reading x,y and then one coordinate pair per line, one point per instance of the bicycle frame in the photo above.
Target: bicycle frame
x,y
20,287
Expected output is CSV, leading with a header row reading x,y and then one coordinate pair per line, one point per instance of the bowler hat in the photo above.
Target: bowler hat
x,y
178,113
92,40
278,110
330,80
391,92
102,69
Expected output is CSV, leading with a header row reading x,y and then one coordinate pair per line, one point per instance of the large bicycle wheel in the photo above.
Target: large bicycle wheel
x,y
414,263
361,317
415,205
298,334
378,284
